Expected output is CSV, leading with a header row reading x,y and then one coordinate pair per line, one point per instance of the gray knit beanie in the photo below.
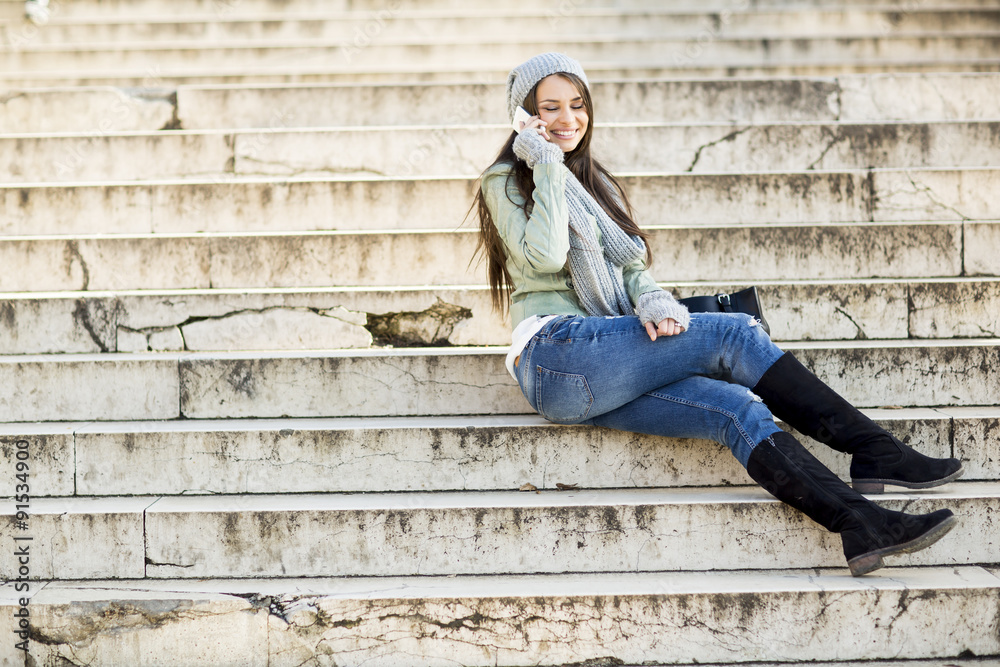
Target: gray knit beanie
x,y
523,78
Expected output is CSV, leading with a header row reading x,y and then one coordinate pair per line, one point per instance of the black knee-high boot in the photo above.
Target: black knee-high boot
x,y
786,470
797,397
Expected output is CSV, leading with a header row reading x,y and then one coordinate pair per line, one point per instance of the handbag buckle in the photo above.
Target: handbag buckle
x,y
724,300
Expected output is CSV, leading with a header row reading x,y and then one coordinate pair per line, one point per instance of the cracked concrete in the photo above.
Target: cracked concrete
x,y
431,327
146,629
77,264
547,620
329,319
821,252
861,335
299,328
54,455
966,309
729,137
583,630
254,320
114,156
834,136
254,329
99,318
977,442
919,193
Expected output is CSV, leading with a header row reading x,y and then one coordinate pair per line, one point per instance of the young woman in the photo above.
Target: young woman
x,y
596,341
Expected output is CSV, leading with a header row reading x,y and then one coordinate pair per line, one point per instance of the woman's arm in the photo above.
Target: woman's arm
x,y
657,309
539,241
638,280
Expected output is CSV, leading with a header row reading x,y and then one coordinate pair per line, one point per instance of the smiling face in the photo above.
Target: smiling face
x,y
562,108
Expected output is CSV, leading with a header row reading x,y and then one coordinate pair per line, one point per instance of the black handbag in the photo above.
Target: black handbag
x,y
745,301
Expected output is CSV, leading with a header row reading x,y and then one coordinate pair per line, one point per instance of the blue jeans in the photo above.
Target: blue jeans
x,y
605,371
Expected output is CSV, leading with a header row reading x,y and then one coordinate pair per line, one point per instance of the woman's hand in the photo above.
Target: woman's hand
x,y
538,125
667,327
533,146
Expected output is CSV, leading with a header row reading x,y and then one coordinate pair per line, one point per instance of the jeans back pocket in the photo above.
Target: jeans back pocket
x,y
562,397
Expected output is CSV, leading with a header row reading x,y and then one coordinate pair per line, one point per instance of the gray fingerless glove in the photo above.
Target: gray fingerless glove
x,y
533,149
661,305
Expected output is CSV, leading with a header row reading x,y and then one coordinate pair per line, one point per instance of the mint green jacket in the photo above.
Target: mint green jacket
x,y
537,246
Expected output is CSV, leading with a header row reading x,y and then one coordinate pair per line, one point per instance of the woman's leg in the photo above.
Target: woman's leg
x,y
786,470
801,399
585,369
577,368
697,407
700,407
586,366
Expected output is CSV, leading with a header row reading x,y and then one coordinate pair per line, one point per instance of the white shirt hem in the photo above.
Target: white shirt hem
x,y
521,335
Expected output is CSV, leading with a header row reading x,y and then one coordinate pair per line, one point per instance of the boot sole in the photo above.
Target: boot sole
x,y
872,560
875,486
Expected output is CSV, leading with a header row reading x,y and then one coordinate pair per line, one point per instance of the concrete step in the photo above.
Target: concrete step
x,y
478,453
424,381
128,623
255,204
847,98
115,10
537,23
476,51
161,76
423,258
326,318
670,618
464,533
467,150
912,97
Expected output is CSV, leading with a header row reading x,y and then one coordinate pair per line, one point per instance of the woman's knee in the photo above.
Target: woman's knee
x,y
746,326
748,422
747,349
747,409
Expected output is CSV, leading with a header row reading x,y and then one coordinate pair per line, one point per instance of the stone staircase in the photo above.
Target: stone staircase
x,y
257,390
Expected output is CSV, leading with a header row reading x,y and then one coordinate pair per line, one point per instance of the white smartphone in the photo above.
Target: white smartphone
x,y
520,116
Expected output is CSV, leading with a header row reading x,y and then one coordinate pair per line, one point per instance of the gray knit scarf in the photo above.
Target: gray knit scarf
x,y
596,272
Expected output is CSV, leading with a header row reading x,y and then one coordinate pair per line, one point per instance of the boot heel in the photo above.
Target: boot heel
x,y
868,487
864,564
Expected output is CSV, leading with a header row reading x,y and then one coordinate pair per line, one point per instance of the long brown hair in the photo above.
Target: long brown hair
x,y
597,180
